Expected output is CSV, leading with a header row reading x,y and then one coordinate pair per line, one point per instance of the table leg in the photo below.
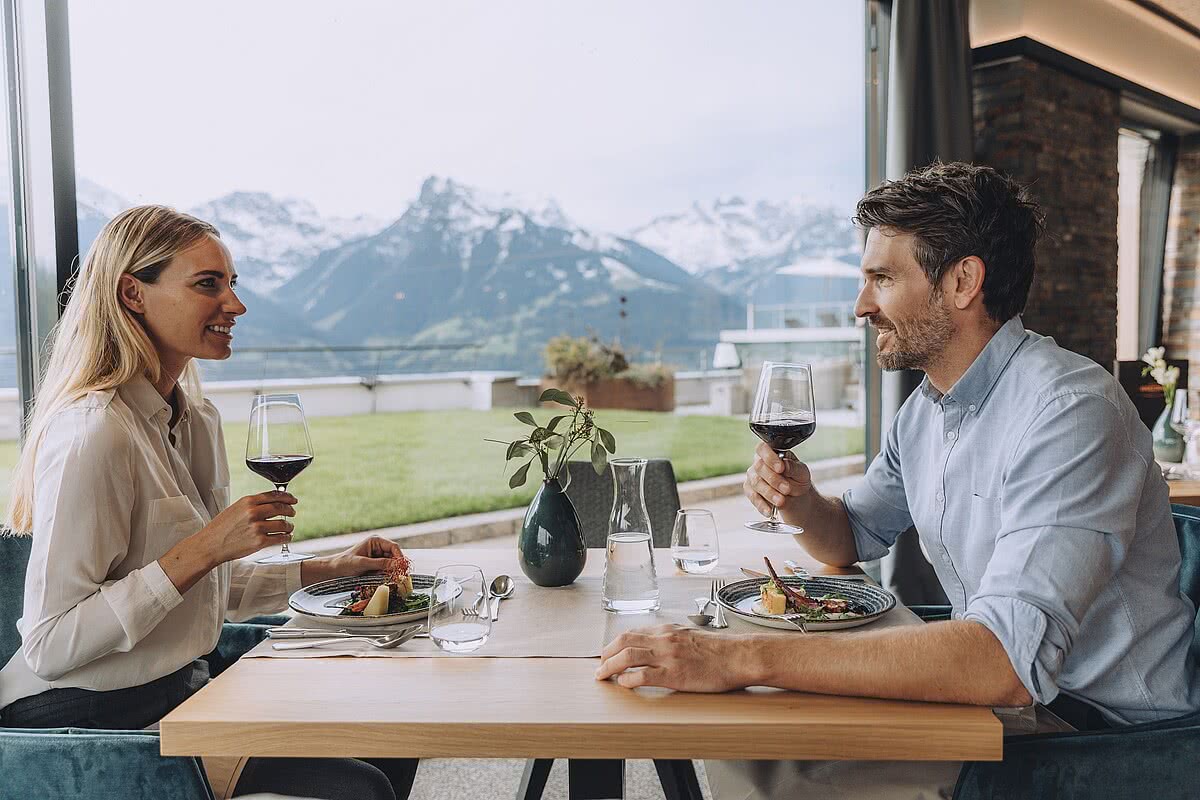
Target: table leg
x,y
596,779
533,781
678,779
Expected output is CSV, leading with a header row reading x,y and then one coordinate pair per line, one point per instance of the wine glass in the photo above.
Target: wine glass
x,y
783,416
278,448
458,618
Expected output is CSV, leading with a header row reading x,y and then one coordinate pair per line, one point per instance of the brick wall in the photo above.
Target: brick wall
x,y
1059,133
1181,310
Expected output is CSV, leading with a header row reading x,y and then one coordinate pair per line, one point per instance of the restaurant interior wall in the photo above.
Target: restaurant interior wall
x,y
1181,306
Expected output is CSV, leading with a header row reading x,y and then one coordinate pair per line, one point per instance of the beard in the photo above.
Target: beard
x,y
915,343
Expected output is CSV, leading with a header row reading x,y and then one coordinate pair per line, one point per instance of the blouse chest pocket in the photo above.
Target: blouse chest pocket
x,y
171,510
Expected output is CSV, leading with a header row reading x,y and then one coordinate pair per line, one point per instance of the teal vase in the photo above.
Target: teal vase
x,y
1168,442
550,547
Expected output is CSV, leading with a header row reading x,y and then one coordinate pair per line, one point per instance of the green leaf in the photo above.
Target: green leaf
x,y
554,441
518,477
558,396
526,417
599,458
518,449
538,435
609,441
555,420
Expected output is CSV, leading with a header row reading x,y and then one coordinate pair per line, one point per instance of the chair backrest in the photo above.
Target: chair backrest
x,y
592,496
14,556
1187,529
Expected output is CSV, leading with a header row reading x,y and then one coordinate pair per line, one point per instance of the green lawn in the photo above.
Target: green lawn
x,y
373,471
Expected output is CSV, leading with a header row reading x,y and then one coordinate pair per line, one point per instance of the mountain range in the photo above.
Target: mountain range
x,y
503,274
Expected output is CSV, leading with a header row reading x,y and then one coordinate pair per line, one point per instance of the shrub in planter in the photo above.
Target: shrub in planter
x,y
601,373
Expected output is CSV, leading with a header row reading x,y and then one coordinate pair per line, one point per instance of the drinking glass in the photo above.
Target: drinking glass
x,y
694,541
783,416
1185,419
458,618
278,448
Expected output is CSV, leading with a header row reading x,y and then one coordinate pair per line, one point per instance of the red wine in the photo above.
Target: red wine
x,y
279,470
783,433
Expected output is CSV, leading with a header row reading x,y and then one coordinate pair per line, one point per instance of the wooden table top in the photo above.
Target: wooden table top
x,y
1185,492
468,707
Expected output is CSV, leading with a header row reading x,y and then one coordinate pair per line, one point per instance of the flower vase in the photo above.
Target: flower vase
x,y
1168,442
550,547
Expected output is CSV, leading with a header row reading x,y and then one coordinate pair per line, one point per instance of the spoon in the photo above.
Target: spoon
x,y
700,619
383,643
502,587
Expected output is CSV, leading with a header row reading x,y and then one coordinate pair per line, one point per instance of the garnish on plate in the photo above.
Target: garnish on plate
x,y
393,596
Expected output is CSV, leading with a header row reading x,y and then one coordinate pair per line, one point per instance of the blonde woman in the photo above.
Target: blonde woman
x,y
124,484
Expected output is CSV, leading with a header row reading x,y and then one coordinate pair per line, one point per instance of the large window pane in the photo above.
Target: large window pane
x,y
442,189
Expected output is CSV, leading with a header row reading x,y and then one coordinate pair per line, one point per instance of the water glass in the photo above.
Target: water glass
x,y
630,584
694,541
458,618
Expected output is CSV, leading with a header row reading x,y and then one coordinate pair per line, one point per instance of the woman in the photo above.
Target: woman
x,y
124,484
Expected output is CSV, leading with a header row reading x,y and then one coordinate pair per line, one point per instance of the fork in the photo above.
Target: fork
x,y
473,610
719,619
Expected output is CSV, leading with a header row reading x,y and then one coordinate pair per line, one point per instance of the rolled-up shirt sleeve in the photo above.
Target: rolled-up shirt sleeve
x,y
83,500
1066,525
261,588
877,507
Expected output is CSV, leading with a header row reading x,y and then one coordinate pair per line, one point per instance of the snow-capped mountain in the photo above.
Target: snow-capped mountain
x,y
272,239
460,266
733,243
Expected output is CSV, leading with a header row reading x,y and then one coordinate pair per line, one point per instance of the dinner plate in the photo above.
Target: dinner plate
x,y
324,601
740,598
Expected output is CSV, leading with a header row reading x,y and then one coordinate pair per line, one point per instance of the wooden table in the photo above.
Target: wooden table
x,y
1185,492
550,707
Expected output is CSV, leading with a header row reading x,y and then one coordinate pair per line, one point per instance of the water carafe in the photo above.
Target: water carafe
x,y
630,583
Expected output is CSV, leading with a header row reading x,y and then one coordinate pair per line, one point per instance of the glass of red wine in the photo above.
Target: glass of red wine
x,y
783,416
278,448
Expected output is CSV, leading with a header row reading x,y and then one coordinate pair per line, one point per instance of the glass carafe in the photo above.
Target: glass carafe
x,y
630,583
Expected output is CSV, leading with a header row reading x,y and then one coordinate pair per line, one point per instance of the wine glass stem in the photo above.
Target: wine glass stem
x,y
774,515
285,552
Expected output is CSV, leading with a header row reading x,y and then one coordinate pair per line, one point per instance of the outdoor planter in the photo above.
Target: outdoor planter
x,y
622,393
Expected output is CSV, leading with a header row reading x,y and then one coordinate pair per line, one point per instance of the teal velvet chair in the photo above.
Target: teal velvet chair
x,y
74,762
1135,762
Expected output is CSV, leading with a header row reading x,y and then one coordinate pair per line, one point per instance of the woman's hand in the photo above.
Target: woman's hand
x,y
773,481
247,526
684,659
369,555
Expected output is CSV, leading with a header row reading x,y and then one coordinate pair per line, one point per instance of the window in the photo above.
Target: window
x,y
433,190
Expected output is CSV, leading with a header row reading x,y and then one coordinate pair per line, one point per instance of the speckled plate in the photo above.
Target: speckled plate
x,y
740,598
324,601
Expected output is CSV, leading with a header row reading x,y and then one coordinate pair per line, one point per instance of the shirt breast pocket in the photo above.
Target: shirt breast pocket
x,y
985,510
172,510
220,500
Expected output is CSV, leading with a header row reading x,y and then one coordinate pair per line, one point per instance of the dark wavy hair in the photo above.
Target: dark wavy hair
x,y
957,210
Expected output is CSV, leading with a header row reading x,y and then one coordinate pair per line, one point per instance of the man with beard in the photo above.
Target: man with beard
x,y
1031,482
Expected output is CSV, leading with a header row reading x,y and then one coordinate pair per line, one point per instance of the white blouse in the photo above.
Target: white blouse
x,y
114,490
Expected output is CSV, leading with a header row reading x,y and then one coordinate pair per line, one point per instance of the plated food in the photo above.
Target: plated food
x,y
822,603
394,597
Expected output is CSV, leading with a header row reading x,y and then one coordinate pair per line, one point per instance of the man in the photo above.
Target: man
x,y
1030,480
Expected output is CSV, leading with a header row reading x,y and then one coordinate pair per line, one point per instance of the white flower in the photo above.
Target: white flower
x,y
1158,373
1170,377
1154,356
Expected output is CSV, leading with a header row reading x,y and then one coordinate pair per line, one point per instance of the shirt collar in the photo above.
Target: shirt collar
x,y
141,395
976,383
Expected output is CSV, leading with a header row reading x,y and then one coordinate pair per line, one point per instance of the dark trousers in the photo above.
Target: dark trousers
x,y
139,707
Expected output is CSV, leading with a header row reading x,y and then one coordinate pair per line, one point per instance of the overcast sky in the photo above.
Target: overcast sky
x,y
620,110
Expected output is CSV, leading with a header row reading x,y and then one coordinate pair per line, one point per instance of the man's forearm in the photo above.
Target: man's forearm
x,y
827,536
948,662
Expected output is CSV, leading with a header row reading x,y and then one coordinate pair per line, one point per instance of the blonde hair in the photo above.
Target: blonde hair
x,y
98,344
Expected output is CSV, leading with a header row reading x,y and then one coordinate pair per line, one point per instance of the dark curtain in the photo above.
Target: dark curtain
x,y
929,118
1157,178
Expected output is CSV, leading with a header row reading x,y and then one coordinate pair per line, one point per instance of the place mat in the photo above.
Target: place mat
x,y
562,622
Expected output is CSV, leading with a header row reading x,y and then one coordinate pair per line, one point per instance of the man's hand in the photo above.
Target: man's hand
x,y
679,658
369,555
773,481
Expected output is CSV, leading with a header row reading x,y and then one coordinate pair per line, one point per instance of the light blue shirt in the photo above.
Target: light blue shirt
x,y
1033,486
